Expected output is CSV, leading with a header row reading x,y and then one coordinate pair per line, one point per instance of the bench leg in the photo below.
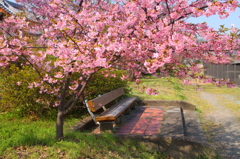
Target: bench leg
x,y
106,127
127,111
133,106
119,120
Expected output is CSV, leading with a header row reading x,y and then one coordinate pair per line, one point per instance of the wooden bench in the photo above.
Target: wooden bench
x,y
110,116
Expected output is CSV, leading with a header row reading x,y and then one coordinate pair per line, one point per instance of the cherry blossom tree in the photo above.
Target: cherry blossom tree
x,y
81,37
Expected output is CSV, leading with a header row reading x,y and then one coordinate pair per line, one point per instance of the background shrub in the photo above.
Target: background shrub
x,y
105,81
17,97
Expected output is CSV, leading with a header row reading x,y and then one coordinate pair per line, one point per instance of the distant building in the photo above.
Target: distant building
x,y
8,8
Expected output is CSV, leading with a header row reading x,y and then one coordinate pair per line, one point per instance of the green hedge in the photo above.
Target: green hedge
x,y
18,98
100,83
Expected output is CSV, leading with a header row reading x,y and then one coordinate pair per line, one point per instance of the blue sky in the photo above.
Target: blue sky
x,y
215,21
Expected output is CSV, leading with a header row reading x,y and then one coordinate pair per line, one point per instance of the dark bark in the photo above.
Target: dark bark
x,y
60,115
130,75
64,108
78,95
59,126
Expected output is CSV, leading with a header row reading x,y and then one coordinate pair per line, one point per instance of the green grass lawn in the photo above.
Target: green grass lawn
x,y
25,138
172,89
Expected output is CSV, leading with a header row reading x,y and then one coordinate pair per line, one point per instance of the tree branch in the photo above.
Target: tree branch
x,y
63,93
173,21
69,37
80,6
78,94
36,70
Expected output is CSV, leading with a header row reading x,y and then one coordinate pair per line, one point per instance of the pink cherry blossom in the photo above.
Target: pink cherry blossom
x,y
144,36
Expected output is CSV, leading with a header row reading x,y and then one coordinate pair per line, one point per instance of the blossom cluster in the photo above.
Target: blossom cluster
x,y
144,36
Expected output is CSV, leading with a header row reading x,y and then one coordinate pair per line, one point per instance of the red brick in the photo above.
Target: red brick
x,y
146,114
137,131
158,111
158,119
140,126
143,120
154,122
148,111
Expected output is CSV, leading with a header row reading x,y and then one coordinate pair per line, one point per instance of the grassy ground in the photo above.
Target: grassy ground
x,y
172,89
25,138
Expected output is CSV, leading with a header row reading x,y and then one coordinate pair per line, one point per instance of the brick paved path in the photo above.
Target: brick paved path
x,y
144,121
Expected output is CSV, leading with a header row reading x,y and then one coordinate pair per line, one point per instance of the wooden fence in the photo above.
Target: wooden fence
x,y
228,71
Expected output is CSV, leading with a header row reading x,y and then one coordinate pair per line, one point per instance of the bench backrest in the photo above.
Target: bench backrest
x,y
97,103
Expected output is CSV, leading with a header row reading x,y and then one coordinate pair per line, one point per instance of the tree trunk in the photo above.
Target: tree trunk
x,y
130,75
62,106
59,125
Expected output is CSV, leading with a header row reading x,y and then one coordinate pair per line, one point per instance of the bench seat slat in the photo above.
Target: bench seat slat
x,y
112,113
97,103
